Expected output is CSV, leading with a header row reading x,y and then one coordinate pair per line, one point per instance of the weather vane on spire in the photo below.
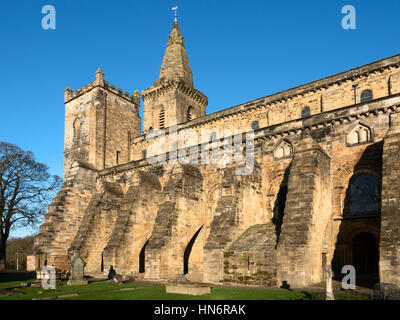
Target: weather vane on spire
x,y
176,12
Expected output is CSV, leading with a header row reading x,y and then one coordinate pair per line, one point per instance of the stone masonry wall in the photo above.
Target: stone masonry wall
x,y
97,226
306,212
390,226
251,259
237,209
63,219
179,218
134,225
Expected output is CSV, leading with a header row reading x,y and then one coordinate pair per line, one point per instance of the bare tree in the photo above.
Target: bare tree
x,y
26,189
17,251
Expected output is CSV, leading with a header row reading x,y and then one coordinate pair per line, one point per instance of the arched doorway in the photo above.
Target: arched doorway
x,y
142,258
366,255
359,229
187,252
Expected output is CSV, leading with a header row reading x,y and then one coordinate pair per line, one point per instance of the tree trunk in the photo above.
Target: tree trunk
x,y
2,254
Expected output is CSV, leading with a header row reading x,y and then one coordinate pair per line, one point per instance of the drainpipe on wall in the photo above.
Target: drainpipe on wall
x,y
355,86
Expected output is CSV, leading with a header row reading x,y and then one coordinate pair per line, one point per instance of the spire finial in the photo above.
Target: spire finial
x,y
176,13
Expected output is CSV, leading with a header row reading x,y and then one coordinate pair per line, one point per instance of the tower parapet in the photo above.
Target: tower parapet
x,y
134,97
100,121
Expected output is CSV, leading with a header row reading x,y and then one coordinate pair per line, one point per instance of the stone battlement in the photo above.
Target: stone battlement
x,y
100,82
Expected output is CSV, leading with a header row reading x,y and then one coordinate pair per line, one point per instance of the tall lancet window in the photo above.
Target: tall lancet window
x,y
76,129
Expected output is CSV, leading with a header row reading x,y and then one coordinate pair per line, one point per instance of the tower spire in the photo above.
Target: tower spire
x,y
177,100
175,65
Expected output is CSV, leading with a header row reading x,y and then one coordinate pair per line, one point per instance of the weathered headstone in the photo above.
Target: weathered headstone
x,y
117,278
181,279
77,272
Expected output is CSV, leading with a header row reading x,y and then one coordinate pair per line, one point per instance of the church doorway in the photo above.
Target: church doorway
x,y
359,229
187,252
366,256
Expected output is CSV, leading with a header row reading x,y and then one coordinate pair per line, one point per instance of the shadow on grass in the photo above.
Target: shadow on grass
x,y
16,276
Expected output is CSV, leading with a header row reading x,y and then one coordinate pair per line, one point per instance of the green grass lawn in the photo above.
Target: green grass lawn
x,y
145,291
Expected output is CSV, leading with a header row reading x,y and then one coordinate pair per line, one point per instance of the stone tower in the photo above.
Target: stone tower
x,y
100,121
173,98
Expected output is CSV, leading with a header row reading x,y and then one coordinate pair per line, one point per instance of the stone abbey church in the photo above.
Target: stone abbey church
x,y
324,190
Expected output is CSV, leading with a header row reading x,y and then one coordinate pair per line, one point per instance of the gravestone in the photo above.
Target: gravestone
x,y
77,271
117,278
181,279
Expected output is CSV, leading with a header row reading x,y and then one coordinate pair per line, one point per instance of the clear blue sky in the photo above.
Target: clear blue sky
x,y
238,51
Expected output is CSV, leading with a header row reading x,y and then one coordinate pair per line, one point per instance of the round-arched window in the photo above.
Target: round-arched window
x,y
366,95
254,125
362,194
305,112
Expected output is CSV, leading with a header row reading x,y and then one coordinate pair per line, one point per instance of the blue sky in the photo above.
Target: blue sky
x,y
238,51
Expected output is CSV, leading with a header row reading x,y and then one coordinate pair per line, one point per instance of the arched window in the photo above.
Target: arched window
x,y
76,129
362,196
189,114
254,125
360,134
305,112
161,119
366,95
284,150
